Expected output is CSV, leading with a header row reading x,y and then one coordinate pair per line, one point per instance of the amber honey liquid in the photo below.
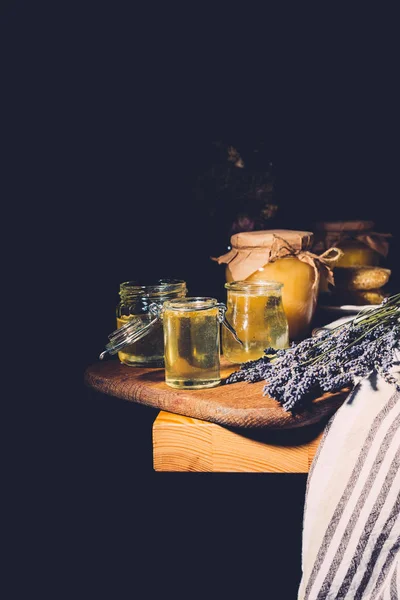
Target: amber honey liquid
x,y
357,254
298,297
259,322
192,348
149,351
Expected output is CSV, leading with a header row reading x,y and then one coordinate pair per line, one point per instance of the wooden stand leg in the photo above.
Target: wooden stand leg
x,y
186,444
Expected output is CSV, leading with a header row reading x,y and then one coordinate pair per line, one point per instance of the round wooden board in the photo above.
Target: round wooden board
x,y
235,405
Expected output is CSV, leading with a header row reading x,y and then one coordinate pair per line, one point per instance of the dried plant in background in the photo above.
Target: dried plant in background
x,y
238,189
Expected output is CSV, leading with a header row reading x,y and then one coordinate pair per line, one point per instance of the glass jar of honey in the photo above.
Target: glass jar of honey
x,y
135,301
192,342
359,243
283,256
255,311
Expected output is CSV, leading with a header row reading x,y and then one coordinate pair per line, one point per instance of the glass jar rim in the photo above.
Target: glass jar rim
x,y
190,303
161,286
254,286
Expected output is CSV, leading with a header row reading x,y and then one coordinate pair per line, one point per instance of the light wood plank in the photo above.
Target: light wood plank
x,y
186,444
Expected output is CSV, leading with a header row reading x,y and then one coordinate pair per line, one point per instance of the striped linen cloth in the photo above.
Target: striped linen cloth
x,y
351,524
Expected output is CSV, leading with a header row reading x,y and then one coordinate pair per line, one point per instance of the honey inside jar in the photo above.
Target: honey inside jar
x,y
298,280
255,311
147,351
191,341
359,243
357,254
134,307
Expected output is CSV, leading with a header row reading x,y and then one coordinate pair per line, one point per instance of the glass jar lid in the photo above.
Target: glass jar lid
x,y
162,288
134,330
192,303
254,287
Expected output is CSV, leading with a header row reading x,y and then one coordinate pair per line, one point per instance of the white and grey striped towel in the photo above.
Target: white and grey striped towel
x,y
351,527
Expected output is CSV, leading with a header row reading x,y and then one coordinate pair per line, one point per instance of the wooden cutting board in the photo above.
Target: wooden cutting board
x,y
235,405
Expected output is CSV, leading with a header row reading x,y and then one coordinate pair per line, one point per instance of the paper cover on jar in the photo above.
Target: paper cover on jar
x,y
333,233
251,250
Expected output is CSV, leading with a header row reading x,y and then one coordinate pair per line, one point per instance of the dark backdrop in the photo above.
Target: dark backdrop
x,y
112,110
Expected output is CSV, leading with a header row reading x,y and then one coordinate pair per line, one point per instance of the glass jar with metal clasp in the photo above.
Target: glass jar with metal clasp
x,y
191,327
256,312
133,313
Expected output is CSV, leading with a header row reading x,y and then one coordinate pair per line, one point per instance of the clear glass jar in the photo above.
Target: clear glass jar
x,y
192,342
134,304
255,311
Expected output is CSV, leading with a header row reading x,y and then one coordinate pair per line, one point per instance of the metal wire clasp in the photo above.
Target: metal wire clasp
x,y
222,319
133,330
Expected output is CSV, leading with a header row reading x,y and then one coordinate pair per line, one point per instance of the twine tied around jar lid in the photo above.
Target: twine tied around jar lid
x,y
252,250
321,263
333,233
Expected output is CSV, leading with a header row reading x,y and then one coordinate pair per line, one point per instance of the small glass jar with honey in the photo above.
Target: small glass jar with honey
x,y
135,301
192,342
255,311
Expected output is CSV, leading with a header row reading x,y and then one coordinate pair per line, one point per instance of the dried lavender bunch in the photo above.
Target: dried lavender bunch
x,y
330,361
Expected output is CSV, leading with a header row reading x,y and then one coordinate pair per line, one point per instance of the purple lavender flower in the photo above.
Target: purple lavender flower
x,y
330,361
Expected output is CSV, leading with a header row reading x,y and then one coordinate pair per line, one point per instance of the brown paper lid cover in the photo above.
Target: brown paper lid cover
x,y
300,240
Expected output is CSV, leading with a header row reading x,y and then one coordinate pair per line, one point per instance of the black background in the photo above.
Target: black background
x,y
112,108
